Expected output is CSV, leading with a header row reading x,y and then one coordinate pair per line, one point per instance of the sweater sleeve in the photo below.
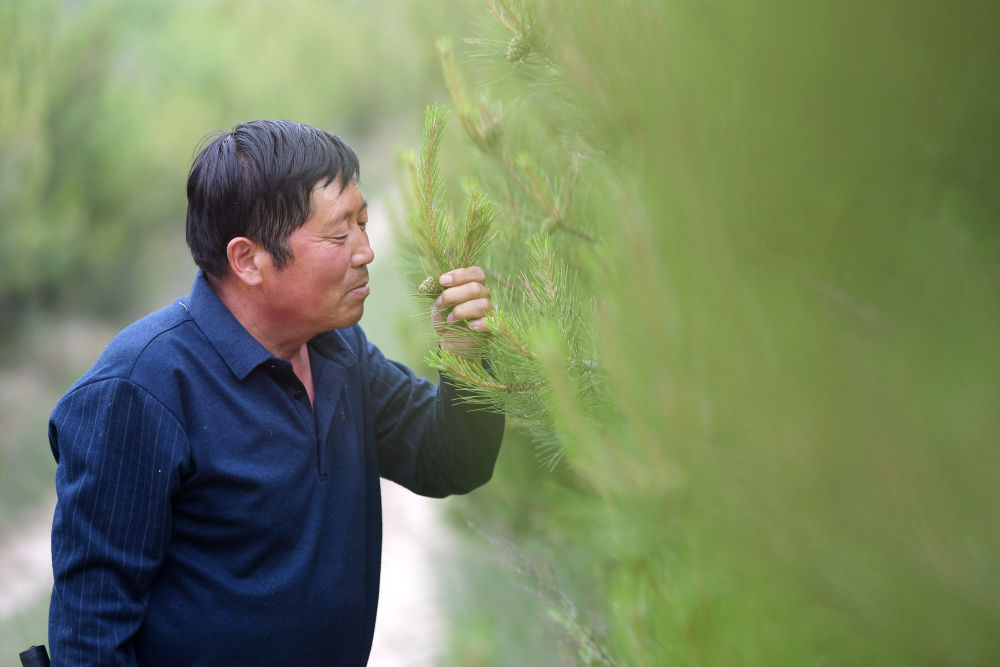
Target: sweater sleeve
x,y
429,440
119,454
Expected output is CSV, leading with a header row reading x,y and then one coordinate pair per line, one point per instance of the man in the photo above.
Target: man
x,y
218,467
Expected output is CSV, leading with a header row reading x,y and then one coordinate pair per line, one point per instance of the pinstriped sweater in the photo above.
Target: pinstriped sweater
x,y
208,514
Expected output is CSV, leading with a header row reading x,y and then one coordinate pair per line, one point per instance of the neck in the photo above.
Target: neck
x,y
276,337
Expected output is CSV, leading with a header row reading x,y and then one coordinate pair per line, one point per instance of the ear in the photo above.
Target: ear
x,y
246,260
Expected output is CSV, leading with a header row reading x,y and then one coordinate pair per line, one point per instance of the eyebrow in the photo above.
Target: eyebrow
x,y
350,214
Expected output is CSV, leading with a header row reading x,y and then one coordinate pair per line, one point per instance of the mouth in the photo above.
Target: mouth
x,y
362,290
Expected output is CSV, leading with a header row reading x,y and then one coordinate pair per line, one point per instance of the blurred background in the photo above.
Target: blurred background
x,y
796,296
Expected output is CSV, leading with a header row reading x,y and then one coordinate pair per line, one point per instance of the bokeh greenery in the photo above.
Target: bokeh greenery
x,y
102,104
798,309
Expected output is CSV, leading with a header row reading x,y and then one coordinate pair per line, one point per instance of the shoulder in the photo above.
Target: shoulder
x,y
147,347
136,371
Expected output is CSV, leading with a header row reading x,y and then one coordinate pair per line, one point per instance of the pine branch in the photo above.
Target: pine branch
x,y
433,223
502,327
541,191
480,214
485,131
441,247
523,41
472,373
515,368
544,585
533,267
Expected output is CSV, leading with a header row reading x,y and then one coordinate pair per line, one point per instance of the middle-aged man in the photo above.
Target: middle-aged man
x,y
218,467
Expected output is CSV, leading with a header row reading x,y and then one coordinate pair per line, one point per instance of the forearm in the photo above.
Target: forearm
x,y
428,438
114,481
463,445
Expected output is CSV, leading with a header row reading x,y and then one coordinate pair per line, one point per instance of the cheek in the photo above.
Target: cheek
x,y
333,270
334,267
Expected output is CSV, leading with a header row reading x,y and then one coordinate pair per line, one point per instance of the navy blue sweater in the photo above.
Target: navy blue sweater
x,y
208,514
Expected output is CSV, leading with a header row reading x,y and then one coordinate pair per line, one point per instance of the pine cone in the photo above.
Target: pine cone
x,y
517,48
429,287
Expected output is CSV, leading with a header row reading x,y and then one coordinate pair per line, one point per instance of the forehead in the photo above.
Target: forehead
x,y
332,192
332,201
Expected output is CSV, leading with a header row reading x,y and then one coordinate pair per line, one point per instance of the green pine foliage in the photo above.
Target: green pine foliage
x,y
746,256
542,293
534,261
443,245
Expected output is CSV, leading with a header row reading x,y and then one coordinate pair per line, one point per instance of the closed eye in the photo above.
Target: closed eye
x,y
340,238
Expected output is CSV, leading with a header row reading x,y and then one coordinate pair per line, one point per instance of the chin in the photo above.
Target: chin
x,y
350,320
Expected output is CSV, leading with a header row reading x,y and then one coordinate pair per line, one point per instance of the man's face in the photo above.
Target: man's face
x,y
325,283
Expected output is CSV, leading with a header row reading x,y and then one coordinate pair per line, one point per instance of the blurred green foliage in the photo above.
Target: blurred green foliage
x,y
102,105
799,315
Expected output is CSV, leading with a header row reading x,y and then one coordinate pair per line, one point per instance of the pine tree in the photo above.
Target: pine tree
x,y
749,275
534,257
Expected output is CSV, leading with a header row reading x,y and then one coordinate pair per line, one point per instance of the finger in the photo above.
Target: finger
x,y
471,274
466,292
478,325
470,310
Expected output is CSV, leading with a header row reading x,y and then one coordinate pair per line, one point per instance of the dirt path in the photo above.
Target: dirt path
x,y
25,565
411,625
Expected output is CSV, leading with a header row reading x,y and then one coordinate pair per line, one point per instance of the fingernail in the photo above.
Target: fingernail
x,y
437,302
446,279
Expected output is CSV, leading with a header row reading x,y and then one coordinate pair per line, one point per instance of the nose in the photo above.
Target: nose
x,y
363,254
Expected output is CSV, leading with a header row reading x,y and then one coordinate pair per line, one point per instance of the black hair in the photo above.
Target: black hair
x,y
257,181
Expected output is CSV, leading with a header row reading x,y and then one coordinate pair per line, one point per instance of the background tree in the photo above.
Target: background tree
x,y
102,102
769,359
